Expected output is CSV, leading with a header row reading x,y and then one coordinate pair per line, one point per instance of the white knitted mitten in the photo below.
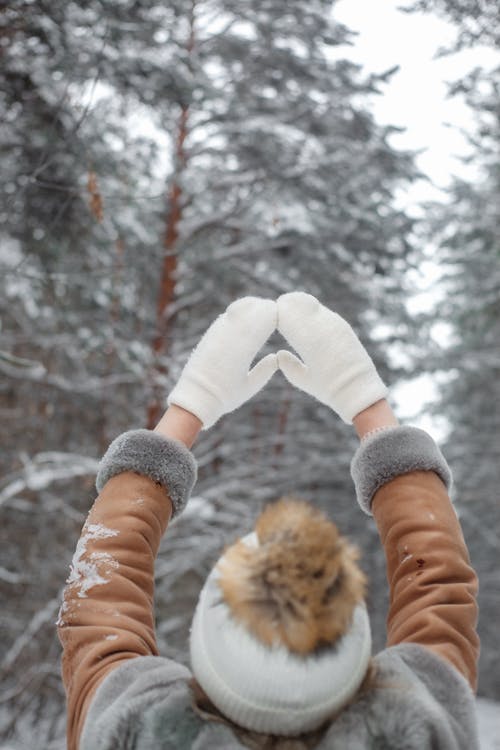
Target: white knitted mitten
x,y
216,378
335,368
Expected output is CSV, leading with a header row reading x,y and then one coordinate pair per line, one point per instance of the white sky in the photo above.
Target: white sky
x,y
416,96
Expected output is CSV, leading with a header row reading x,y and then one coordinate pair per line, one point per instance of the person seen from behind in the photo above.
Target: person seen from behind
x,y
280,641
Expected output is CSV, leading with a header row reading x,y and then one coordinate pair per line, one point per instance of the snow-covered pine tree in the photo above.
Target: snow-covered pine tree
x,y
465,230
119,252
477,21
468,230
78,216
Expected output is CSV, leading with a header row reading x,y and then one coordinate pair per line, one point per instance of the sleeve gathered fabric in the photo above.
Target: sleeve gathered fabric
x,y
401,478
107,617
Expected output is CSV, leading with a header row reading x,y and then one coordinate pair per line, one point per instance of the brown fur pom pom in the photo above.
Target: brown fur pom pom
x,y
300,586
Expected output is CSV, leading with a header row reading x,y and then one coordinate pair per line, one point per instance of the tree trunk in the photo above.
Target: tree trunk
x,y
166,294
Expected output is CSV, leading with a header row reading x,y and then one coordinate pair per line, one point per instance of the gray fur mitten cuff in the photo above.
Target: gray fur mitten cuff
x,y
385,455
164,460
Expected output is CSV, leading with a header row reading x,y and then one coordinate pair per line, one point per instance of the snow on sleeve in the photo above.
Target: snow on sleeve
x,y
91,571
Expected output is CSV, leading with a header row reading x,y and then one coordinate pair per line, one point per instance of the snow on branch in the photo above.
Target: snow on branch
x,y
26,369
39,619
43,469
20,367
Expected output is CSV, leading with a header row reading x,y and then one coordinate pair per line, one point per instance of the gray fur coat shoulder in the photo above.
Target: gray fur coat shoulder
x,y
417,702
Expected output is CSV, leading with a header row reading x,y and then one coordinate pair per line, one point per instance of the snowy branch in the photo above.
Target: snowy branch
x,y
43,470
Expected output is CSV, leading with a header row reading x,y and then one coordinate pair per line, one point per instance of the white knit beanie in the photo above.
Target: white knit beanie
x,y
267,688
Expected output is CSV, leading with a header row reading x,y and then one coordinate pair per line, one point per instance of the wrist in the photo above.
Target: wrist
x,y
375,418
179,424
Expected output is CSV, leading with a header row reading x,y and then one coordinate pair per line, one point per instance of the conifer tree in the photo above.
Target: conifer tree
x,y
118,249
466,232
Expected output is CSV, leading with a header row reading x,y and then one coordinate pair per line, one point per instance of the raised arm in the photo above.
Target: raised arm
x,y
107,612
145,479
401,478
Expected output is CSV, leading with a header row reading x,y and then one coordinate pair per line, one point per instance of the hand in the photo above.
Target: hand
x,y
335,368
216,378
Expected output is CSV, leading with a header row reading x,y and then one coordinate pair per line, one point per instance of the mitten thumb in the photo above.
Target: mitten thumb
x,y
293,368
261,373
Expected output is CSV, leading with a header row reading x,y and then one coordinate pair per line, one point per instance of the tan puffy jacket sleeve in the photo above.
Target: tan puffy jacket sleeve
x,y
402,477
107,612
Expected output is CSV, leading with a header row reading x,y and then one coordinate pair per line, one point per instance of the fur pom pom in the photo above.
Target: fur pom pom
x,y
299,587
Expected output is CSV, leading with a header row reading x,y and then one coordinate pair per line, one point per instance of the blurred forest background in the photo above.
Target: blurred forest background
x,y
158,161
